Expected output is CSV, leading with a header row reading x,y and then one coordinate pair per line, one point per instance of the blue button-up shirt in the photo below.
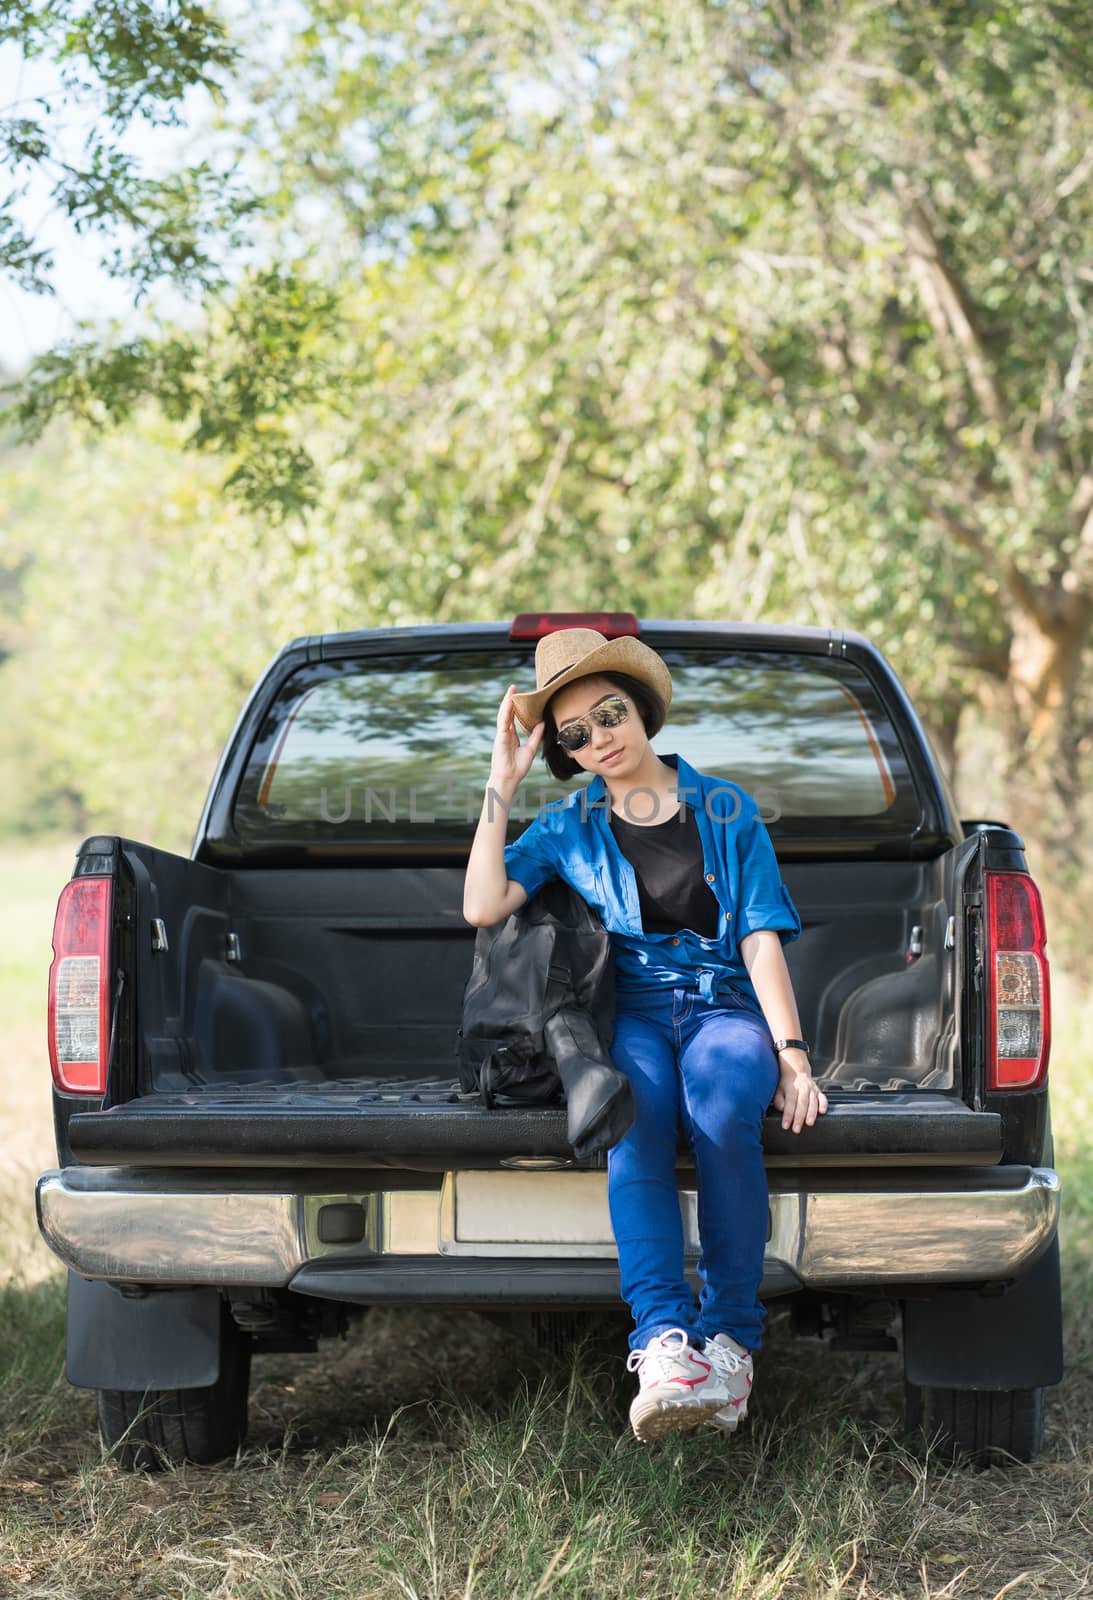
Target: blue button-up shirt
x,y
573,840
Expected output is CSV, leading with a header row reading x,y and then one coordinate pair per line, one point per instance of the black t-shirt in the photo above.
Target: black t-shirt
x,y
667,862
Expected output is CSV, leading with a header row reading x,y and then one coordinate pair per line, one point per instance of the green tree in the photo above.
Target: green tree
x,y
119,65
793,295
764,310
147,607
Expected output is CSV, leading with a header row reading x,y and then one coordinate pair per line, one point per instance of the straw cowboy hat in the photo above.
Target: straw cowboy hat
x,y
571,653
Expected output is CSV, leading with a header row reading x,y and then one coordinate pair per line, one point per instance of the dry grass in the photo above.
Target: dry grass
x,y
417,1462
429,1456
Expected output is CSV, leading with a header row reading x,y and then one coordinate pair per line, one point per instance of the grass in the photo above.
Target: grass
x,y
431,1457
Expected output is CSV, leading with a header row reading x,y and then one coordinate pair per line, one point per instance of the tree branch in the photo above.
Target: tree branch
x,y
1064,405
1079,579
943,290
1031,599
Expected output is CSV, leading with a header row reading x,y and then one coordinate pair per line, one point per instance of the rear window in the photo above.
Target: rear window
x,y
396,749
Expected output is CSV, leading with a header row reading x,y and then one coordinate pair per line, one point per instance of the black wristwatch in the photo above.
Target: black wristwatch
x,y
792,1044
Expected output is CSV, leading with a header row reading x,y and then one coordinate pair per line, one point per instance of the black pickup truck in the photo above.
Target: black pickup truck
x,y
260,1130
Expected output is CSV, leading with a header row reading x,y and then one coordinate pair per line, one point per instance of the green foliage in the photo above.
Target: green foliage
x,y
790,314
138,57
706,294
119,63
148,610
265,355
709,310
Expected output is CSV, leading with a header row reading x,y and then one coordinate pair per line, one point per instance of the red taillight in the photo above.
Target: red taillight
x,y
79,987
1018,983
612,624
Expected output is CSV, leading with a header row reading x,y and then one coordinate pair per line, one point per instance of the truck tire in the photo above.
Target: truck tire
x,y
148,1430
988,1427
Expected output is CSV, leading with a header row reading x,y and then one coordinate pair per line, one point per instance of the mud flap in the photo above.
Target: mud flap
x,y
165,1339
1005,1339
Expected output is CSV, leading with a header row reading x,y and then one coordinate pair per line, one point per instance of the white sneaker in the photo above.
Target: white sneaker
x,y
733,1365
680,1387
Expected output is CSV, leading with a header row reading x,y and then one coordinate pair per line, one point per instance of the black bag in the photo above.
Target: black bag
x,y
539,1014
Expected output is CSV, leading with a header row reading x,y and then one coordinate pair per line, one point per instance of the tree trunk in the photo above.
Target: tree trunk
x,y
1040,708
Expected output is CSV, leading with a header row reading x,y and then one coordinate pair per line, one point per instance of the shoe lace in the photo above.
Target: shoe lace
x,y
658,1352
724,1357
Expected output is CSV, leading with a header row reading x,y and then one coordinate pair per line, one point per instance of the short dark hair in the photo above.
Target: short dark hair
x,y
651,709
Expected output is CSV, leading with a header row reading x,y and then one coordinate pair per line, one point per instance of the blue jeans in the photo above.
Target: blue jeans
x,y
711,1064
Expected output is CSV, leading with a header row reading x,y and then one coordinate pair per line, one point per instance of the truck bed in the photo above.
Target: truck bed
x,y
353,976
368,1126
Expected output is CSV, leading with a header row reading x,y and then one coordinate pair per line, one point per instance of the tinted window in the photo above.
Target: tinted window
x,y
396,748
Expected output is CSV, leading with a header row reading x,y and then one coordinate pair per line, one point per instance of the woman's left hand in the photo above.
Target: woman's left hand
x,y
798,1096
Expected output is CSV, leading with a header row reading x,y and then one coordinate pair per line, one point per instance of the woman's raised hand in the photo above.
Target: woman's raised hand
x,y
511,759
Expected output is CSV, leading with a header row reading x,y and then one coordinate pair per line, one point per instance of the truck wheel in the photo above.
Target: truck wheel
x,y
988,1427
147,1430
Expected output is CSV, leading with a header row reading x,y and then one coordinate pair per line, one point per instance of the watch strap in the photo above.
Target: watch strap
x,y
793,1044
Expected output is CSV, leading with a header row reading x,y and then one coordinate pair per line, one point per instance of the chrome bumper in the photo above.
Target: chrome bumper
x,y
155,1227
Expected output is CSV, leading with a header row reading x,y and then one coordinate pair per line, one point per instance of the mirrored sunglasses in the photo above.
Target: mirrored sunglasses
x,y
608,714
